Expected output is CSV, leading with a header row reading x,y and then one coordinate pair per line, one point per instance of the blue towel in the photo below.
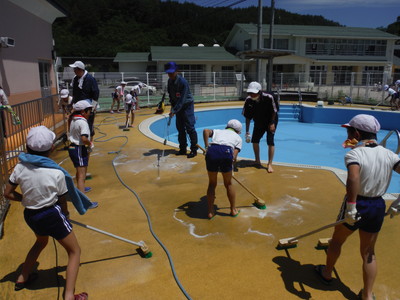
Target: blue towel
x,y
79,199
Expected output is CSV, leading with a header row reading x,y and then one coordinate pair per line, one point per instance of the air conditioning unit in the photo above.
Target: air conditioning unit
x,y
7,42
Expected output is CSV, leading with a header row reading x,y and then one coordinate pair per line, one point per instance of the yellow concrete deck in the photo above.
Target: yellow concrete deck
x,y
222,258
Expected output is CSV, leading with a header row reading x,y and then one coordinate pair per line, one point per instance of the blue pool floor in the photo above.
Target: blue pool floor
x,y
305,143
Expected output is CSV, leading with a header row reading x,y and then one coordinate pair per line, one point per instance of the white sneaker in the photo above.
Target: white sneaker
x,y
111,111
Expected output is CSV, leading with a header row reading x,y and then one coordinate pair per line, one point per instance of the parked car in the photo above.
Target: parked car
x,y
143,88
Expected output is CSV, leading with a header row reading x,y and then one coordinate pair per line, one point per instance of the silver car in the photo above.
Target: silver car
x,y
141,87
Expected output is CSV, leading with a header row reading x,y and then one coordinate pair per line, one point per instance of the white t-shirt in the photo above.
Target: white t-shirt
x,y
120,90
376,167
129,99
40,187
227,137
3,98
79,126
391,91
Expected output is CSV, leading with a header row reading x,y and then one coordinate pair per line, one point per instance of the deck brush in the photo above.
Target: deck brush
x,y
292,242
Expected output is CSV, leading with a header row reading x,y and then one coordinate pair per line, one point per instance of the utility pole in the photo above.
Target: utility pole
x,y
259,39
271,45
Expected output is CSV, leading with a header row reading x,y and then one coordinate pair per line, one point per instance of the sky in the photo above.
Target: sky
x,y
352,13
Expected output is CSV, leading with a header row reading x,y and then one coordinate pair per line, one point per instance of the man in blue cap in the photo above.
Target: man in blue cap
x,y
182,105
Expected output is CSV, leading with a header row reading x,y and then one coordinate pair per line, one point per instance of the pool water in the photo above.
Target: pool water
x,y
316,144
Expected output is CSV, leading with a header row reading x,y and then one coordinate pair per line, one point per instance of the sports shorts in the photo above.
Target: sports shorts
x,y
372,212
259,131
48,221
219,158
79,155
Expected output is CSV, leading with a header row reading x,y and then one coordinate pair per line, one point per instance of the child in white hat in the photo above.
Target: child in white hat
x,y
220,156
44,198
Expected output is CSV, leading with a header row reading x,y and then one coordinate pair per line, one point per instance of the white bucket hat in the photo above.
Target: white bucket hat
x,y
365,123
235,125
40,138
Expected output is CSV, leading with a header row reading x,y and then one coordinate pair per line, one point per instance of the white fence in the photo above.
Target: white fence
x,y
363,87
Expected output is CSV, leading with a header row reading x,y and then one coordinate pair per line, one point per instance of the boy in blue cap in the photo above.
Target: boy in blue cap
x,y
182,105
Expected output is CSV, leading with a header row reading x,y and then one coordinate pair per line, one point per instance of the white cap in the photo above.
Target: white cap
x,y
78,64
81,105
64,93
40,138
235,125
123,82
254,87
365,123
385,87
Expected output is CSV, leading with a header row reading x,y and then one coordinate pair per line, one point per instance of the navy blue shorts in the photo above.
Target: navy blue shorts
x,y
78,155
48,221
372,212
258,133
219,158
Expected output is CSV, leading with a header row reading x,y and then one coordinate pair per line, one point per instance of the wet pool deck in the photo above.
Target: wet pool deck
x,y
222,258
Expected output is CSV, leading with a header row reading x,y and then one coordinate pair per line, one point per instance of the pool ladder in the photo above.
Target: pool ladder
x,y
383,142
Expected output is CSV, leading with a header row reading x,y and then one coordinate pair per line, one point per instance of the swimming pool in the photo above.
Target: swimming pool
x,y
300,143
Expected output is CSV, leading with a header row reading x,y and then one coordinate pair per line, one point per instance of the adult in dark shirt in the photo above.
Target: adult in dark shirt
x,y
262,108
182,105
84,87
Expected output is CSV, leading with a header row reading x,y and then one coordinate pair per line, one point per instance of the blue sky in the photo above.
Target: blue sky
x,y
354,13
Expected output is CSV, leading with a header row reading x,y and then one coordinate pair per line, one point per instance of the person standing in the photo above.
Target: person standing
x,y
43,196
80,144
363,207
262,108
135,92
3,101
221,154
117,96
130,107
84,87
182,105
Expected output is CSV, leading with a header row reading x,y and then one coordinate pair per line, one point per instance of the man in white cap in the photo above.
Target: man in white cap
x,y
262,108
84,87
80,144
221,154
369,170
117,96
43,196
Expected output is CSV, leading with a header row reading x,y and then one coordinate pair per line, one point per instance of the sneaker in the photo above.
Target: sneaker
x,y
181,152
87,189
94,205
192,154
111,111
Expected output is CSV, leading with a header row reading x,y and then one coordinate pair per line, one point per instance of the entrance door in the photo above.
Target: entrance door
x,y
45,82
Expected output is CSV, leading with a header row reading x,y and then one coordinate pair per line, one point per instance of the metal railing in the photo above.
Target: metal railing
x,y
42,111
362,87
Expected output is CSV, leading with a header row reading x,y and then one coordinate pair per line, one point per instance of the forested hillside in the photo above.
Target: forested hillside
x,y
101,28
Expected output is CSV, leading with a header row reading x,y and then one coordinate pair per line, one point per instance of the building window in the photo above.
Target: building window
x,y
247,45
346,47
282,44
